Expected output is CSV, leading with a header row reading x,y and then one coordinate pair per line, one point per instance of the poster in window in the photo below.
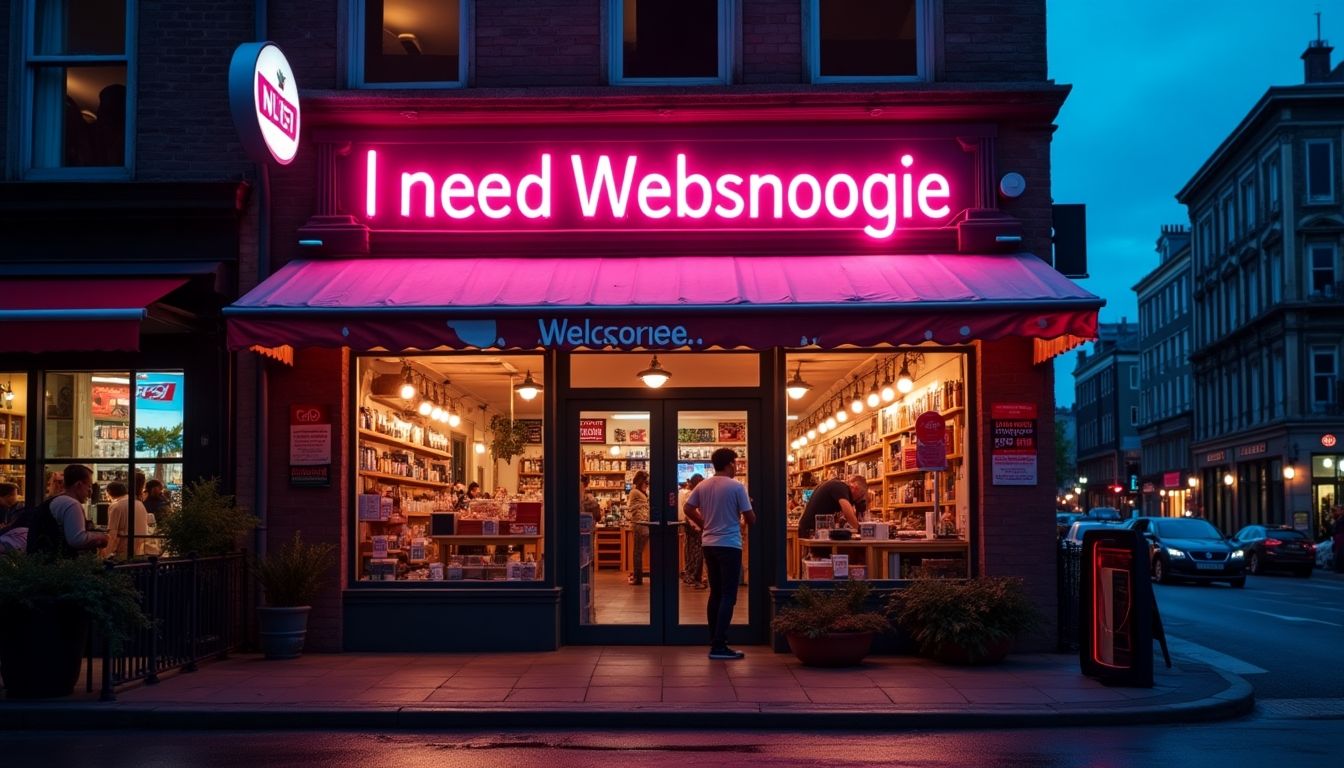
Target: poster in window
x,y
592,430
1013,443
110,400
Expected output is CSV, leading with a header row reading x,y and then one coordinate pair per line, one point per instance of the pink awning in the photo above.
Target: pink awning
x,y
77,314
666,302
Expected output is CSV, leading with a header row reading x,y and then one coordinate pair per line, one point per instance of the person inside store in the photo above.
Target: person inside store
x,y
588,503
694,575
719,506
59,526
156,498
846,499
10,505
117,522
55,484
15,517
473,491
637,510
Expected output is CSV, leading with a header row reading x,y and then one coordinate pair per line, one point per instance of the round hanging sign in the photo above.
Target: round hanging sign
x,y
264,100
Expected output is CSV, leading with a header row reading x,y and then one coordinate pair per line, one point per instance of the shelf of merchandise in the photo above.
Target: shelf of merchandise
x,y
922,504
906,429
400,480
530,474
395,442
951,457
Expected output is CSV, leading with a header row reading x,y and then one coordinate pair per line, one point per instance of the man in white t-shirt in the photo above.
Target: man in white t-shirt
x,y
118,513
717,506
59,526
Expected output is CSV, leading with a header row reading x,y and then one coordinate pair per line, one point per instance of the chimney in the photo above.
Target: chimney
x,y
1316,61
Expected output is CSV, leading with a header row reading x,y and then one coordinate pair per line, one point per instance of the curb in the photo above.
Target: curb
x,y
1237,700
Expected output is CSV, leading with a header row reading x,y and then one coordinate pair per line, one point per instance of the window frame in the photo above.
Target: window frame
x,y
924,48
1272,182
728,36
1332,376
1307,145
1312,268
466,26
32,61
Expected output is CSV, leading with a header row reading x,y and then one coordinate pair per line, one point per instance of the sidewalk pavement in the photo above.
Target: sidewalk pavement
x,y
638,687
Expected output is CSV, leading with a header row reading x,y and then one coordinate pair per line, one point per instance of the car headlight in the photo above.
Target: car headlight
x,y
1174,552
1237,554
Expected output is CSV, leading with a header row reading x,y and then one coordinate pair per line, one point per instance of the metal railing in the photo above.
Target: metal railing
x,y
1069,575
198,609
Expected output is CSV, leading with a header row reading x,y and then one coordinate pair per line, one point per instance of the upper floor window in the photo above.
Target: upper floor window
x,y
868,40
1204,241
1322,269
681,41
1229,219
1134,377
1272,182
411,44
79,78
1249,204
1324,373
1320,171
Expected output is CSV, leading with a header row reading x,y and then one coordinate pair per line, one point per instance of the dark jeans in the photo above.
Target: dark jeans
x,y
695,557
641,534
725,573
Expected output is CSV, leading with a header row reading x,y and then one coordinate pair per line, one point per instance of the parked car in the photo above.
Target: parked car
x,y
1190,548
1063,520
1081,525
1104,513
1277,547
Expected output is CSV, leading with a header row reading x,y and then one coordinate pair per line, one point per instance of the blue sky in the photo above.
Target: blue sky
x,y
1157,85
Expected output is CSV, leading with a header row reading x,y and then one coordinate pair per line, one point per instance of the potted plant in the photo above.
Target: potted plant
x,y
290,578
830,628
49,606
208,522
964,621
508,437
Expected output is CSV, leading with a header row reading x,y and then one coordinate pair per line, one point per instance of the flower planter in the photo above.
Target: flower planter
x,y
282,631
839,649
41,649
995,652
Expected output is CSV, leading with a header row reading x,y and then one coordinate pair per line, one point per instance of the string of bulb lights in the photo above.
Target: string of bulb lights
x,y
853,398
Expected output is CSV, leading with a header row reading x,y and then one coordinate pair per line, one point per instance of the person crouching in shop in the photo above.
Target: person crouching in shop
x,y
637,510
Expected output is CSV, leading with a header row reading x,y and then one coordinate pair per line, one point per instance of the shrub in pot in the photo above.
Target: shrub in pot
x,y
964,621
830,628
48,606
208,522
290,577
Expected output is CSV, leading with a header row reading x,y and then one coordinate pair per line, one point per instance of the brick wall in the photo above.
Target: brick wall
x,y
1026,150
307,32
183,127
322,514
772,41
1016,526
993,41
538,42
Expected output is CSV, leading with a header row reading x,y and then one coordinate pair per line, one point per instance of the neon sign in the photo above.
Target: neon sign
x,y
874,187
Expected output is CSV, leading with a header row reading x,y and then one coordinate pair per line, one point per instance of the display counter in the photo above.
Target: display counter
x,y
885,558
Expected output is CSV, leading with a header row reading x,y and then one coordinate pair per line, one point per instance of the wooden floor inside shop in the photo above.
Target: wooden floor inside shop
x,y
617,602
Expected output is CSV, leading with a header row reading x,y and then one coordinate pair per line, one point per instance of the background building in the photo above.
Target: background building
x,y
1165,427
1106,407
1267,210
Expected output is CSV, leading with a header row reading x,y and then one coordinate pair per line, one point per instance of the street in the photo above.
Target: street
x,y
1283,634
1301,743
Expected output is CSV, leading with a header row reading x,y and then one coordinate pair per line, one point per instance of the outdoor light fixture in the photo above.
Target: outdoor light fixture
x,y
904,382
529,388
655,375
888,386
874,397
407,391
796,386
1289,473
856,405
1228,479
1193,482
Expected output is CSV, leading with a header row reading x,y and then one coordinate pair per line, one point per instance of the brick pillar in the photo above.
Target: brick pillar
x,y
321,377
1016,528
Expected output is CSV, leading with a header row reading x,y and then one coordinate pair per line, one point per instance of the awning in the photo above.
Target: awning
x,y
77,314
695,302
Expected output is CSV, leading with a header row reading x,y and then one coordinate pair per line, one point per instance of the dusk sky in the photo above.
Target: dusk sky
x,y
1157,85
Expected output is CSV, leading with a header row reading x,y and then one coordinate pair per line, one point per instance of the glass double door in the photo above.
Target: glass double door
x,y
639,574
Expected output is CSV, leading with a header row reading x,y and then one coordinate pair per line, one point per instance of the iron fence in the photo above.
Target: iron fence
x,y
197,608
1069,574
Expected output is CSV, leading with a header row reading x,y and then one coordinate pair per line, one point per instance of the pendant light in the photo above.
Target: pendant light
x,y
655,375
480,446
874,397
856,405
796,387
888,386
529,388
904,382
436,412
454,418
841,415
407,383
426,404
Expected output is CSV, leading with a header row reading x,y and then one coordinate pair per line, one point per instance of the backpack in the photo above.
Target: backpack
x,y
46,536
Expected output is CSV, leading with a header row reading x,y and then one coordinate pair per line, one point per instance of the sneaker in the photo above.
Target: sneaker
x,y
726,653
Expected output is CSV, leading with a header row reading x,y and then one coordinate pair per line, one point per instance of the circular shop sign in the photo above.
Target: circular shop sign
x,y
264,99
1328,441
